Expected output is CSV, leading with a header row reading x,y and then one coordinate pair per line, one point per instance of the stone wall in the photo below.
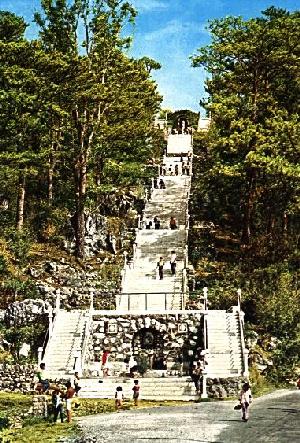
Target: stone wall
x,y
224,387
16,378
163,336
75,285
26,312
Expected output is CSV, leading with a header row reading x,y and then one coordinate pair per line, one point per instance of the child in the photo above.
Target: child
x,y
57,405
76,383
119,397
245,400
136,392
69,395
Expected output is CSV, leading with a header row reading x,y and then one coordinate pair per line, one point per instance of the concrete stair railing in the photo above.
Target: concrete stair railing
x,y
224,344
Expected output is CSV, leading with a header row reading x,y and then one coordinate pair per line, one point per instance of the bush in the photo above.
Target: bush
x,y
19,244
3,265
142,363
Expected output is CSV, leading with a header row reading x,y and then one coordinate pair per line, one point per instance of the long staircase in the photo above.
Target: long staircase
x,y
65,343
141,288
225,357
143,291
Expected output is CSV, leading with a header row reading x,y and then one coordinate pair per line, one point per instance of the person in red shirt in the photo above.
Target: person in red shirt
x,y
104,363
136,392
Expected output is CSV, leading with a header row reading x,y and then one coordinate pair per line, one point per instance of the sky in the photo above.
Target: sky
x,y
170,31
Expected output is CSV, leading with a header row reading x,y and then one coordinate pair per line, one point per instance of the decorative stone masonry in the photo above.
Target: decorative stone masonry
x,y
156,336
16,378
224,387
26,312
40,406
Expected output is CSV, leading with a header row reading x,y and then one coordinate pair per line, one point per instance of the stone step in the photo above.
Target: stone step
x,y
151,388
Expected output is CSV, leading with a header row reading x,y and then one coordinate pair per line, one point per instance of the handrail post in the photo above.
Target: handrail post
x,y
239,293
205,331
91,301
57,301
204,384
50,318
205,292
128,300
146,301
165,301
40,353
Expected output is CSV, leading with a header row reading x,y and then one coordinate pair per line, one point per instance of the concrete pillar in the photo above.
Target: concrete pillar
x,y
91,300
125,253
239,293
57,301
50,318
246,363
204,383
40,353
205,292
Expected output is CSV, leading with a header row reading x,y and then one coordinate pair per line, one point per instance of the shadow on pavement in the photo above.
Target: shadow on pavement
x,y
291,411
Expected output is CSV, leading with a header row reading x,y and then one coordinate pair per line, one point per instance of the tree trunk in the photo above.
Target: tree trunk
x,y
52,162
80,182
20,202
50,182
248,209
98,178
85,135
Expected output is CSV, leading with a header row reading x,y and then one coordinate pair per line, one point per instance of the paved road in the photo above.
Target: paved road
x,y
273,418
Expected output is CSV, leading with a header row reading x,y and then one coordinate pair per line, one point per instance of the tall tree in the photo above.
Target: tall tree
x,y
254,95
91,89
12,27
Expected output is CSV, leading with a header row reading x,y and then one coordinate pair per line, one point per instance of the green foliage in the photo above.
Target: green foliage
x,y
31,334
72,123
17,289
253,143
19,245
12,27
246,176
3,265
142,363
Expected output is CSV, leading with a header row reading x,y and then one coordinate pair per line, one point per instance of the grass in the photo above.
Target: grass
x,y
37,430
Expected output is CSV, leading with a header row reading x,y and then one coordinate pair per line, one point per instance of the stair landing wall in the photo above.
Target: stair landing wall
x,y
161,338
